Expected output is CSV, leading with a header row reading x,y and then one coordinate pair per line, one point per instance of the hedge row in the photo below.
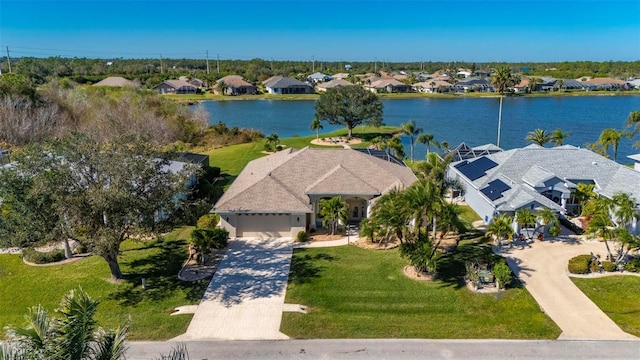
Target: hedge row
x,y
33,256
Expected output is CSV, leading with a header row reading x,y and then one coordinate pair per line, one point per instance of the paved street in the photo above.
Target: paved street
x,y
245,297
543,270
394,349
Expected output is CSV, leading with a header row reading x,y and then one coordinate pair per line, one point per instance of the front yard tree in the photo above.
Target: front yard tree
x,y
102,194
500,227
349,106
333,211
409,128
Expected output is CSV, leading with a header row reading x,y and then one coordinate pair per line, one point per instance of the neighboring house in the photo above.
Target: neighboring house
x,y
340,76
635,83
116,81
571,84
482,73
473,84
237,85
464,152
318,77
285,85
463,73
535,177
176,87
636,161
608,83
332,84
193,81
522,86
279,195
432,86
388,85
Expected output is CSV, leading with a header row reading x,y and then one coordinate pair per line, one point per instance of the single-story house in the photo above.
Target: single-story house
x,y
332,84
237,85
116,81
635,83
318,77
432,86
340,76
387,85
286,85
176,87
473,84
608,83
279,195
535,177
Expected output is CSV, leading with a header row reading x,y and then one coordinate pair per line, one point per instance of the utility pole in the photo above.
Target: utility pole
x,y
161,68
208,62
218,62
313,61
8,59
375,65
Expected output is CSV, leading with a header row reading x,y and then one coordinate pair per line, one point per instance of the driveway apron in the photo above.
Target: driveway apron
x,y
543,270
245,298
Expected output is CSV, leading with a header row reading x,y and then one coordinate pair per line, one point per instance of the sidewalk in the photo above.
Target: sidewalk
x,y
331,243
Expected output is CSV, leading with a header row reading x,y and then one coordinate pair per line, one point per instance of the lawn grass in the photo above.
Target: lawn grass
x,y
618,297
158,262
357,293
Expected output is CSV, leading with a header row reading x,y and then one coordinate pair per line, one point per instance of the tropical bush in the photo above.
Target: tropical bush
x,y
37,257
205,240
580,264
502,273
208,221
633,265
608,266
302,236
421,255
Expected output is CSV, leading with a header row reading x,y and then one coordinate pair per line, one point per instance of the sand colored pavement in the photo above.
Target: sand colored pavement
x,y
245,298
543,270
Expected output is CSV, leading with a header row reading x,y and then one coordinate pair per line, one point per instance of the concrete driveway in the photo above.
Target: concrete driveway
x,y
245,298
543,270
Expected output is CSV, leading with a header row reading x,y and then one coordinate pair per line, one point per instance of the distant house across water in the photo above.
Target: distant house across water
x,y
176,87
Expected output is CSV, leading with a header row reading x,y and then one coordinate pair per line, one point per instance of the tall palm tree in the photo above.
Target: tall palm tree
x,y
410,129
333,211
546,217
526,220
501,81
500,227
612,137
391,214
424,199
538,136
558,136
316,125
633,121
428,140
533,81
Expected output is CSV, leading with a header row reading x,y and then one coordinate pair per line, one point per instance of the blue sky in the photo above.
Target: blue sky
x,y
478,31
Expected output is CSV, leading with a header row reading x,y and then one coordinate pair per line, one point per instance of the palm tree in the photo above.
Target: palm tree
x,y
500,227
611,137
501,81
395,145
316,125
390,214
533,82
378,143
560,84
272,142
546,217
634,121
409,128
538,136
558,136
223,87
424,199
73,335
428,140
333,211
526,220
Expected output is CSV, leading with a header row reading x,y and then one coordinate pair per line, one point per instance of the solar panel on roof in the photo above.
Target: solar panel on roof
x,y
491,194
499,185
471,172
484,163
461,164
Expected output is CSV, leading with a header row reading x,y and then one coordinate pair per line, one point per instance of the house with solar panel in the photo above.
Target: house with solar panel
x,y
536,177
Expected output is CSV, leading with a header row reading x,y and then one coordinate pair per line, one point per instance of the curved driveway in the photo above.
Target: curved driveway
x,y
543,270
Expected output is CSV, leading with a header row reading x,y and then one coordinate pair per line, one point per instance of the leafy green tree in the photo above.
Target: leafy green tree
x,y
501,80
316,125
428,140
333,211
612,137
72,335
500,228
558,136
349,106
410,129
539,136
101,194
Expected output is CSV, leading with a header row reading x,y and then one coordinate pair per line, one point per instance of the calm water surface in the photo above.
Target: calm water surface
x,y
473,120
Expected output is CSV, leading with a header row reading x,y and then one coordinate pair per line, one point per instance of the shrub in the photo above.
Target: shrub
x,y
80,249
502,273
212,172
608,266
302,236
208,221
38,257
633,265
579,264
204,240
420,255
594,267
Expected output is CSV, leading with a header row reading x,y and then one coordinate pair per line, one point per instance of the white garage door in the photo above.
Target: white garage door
x,y
264,225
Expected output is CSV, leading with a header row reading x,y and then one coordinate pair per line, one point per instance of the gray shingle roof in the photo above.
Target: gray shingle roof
x,y
282,182
284,82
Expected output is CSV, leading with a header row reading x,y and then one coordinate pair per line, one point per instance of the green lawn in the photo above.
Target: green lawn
x,y
357,293
158,262
618,297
